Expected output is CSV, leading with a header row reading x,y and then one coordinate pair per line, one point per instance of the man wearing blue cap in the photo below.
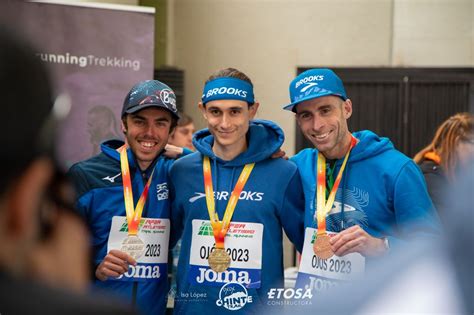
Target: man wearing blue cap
x,y
123,194
362,196
230,202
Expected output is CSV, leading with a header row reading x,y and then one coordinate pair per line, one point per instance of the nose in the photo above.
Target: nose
x,y
225,122
318,123
149,131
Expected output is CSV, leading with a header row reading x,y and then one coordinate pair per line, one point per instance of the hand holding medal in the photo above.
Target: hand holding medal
x,y
322,247
219,259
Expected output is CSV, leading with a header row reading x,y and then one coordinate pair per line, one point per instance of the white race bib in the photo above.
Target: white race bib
x,y
152,264
321,274
243,243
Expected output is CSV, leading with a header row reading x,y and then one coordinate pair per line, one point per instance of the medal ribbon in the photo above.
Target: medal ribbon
x,y
323,207
134,215
219,228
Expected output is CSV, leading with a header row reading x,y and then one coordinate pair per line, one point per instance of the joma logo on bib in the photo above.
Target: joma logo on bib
x,y
142,272
208,275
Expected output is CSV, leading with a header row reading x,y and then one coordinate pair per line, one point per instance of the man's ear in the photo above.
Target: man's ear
x,y
124,125
25,198
253,109
203,110
347,108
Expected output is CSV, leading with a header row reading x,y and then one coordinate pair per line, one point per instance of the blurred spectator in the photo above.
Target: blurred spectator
x,y
451,149
182,136
43,246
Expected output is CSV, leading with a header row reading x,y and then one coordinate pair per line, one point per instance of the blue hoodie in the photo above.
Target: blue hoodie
x,y
382,190
272,198
98,182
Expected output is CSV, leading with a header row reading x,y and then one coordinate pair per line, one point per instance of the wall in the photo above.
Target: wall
x,y
269,39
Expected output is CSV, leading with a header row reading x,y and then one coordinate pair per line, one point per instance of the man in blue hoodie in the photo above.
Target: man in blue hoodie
x,y
123,195
362,196
230,201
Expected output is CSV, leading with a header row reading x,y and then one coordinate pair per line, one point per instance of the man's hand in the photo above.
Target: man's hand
x,y
356,240
114,264
172,151
279,154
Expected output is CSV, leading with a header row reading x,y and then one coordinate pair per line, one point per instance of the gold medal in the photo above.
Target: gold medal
x,y
219,260
133,246
322,247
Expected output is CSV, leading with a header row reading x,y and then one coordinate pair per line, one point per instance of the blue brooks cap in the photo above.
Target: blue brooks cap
x,y
314,83
150,93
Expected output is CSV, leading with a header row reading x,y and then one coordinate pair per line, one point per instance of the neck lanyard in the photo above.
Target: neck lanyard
x,y
220,228
134,215
323,207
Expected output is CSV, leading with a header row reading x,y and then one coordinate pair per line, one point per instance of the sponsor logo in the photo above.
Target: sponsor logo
x,y
224,195
226,90
308,85
124,227
209,275
142,272
233,296
309,79
235,230
319,284
111,179
168,98
289,296
146,225
162,191
289,293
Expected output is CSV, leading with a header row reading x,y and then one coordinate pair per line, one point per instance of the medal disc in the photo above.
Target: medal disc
x,y
219,260
322,247
133,246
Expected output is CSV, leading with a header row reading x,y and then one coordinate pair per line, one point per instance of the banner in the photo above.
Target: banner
x,y
96,53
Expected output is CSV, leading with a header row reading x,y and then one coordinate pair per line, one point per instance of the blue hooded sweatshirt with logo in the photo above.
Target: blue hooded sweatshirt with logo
x,y
381,190
98,182
272,199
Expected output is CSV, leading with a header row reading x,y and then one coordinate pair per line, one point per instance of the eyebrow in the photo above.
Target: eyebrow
x,y
143,118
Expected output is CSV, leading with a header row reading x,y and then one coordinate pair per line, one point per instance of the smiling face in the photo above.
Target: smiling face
x,y
228,121
147,133
323,121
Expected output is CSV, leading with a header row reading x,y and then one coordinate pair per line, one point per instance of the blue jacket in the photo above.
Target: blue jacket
x,y
381,189
272,196
99,187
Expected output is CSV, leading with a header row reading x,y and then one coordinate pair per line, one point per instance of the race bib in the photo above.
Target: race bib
x,y
243,243
152,263
321,274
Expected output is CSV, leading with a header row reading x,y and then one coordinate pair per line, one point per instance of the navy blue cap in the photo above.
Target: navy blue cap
x,y
150,93
315,83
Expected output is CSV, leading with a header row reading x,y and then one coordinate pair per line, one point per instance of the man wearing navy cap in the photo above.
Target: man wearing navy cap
x,y
362,196
123,194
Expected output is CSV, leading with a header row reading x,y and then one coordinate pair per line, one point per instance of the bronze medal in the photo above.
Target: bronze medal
x,y
133,246
322,247
219,260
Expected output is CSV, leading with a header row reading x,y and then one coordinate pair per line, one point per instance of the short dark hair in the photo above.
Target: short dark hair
x,y
230,73
26,98
184,119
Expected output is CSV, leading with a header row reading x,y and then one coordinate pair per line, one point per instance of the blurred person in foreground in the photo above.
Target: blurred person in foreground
x,y
182,135
43,244
451,149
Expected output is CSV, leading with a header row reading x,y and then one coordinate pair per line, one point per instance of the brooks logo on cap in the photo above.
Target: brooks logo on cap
x,y
312,84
